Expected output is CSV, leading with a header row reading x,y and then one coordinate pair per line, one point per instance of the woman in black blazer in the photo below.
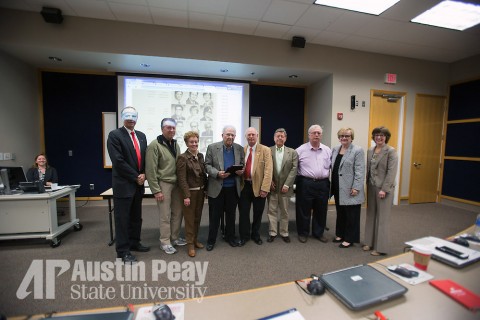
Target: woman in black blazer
x,y
41,171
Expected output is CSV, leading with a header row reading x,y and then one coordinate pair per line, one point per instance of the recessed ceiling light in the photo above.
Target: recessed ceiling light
x,y
56,59
145,65
293,76
223,70
451,15
375,7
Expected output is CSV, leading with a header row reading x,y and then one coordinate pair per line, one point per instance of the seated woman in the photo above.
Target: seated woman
x,y
41,171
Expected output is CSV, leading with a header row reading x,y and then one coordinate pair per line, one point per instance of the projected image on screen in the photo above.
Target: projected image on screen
x,y
202,106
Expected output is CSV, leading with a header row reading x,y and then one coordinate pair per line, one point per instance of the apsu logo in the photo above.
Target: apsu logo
x,y
35,274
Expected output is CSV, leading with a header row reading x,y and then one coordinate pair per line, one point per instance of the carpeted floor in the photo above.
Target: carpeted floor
x,y
172,277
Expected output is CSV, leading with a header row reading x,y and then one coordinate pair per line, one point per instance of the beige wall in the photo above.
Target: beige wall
x,y
19,112
351,72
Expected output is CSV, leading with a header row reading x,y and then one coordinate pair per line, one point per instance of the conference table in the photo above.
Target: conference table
x,y
422,301
34,215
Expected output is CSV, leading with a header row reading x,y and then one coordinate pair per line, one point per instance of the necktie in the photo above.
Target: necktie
x,y
248,166
137,150
279,149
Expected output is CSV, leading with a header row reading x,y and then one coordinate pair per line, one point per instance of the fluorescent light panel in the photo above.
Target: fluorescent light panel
x,y
451,15
375,7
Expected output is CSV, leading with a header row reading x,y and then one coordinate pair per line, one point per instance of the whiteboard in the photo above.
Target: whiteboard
x,y
109,123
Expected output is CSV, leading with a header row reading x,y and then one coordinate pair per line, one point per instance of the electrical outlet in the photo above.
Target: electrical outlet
x,y
70,153
7,156
92,186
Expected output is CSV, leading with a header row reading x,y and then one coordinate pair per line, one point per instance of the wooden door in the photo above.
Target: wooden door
x,y
386,109
426,148
385,113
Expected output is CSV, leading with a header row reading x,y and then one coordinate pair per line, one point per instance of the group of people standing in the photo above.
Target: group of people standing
x,y
249,176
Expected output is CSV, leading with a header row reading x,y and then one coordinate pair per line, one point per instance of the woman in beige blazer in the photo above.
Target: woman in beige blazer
x,y
382,163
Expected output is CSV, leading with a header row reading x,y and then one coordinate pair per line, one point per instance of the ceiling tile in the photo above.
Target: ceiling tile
x,y
319,17
127,12
248,9
205,21
91,9
218,7
284,12
169,4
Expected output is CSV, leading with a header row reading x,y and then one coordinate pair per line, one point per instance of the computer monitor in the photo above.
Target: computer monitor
x,y
15,176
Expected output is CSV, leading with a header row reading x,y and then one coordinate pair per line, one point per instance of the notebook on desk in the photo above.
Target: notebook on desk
x,y
361,287
433,242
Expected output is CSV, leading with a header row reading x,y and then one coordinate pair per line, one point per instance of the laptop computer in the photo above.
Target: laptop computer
x,y
361,287
432,243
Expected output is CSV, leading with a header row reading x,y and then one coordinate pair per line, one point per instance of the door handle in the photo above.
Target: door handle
x,y
417,164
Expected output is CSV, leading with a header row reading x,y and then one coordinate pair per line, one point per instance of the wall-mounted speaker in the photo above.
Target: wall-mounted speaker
x,y
52,15
298,42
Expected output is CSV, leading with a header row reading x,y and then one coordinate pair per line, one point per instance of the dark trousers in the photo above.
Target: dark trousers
x,y
311,199
226,202
347,226
128,222
247,198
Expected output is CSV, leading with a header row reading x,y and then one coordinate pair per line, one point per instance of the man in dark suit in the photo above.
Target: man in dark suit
x,y
223,187
126,148
285,162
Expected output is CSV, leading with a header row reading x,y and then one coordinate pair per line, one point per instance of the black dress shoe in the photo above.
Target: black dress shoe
x,y
139,248
337,240
302,239
241,243
233,243
286,239
271,238
128,258
209,247
258,241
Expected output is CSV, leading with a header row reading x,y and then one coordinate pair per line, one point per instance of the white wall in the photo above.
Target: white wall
x,y
19,110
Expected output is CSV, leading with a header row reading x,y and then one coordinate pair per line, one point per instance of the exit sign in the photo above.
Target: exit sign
x,y
391,78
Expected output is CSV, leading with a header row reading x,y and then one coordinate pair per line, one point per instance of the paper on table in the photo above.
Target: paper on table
x,y
290,314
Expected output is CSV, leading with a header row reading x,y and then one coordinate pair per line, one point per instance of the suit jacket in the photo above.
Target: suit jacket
x,y
288,170
351,174
124,161
50,175
383,173
214,164
191,172
262,169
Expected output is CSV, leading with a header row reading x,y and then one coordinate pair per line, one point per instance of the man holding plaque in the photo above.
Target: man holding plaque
x,y
224,184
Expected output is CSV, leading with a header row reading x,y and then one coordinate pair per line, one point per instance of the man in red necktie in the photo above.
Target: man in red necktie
x,y
256,185
126,148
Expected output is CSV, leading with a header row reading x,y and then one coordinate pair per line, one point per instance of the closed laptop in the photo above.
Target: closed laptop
x,y
361,287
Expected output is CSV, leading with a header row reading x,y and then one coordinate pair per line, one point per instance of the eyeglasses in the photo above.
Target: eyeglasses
x,y
344,136
379,135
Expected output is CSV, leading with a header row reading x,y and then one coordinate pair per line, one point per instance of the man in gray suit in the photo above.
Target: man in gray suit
x,y
223,186
285,162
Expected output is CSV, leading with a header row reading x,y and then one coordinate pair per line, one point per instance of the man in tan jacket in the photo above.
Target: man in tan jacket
x,y
257,180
